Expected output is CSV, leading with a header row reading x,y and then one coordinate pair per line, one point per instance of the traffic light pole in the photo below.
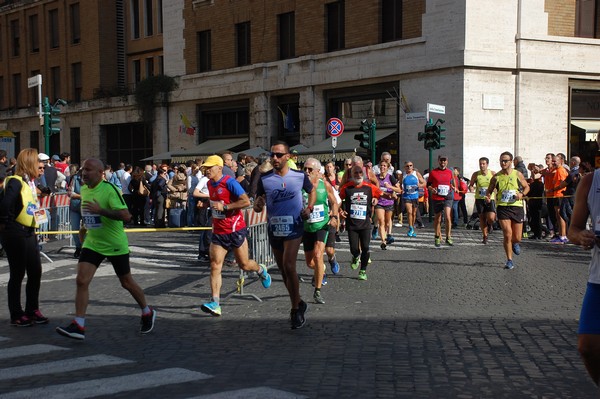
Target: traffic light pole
x,y
46,111
373,142
427,188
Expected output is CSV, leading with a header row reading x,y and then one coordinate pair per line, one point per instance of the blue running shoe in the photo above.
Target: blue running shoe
x,y
324,282
211,307
335,267
389,240
265,277
509,265
516,249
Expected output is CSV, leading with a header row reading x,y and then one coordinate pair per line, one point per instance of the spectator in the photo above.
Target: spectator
x,y
74,192
158,193
137,187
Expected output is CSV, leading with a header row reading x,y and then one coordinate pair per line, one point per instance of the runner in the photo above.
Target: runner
x,y
103,213
411,183
441,186
359,196
486,210
318,224
511,187
384,209
281,190
227,199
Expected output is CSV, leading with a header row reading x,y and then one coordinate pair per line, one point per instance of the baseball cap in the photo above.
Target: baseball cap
x,y
294,152
55,158
43,157
213,160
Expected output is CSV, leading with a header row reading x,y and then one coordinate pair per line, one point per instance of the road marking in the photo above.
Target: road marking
x,y
28,350
62,366
112,385
251,393
4,339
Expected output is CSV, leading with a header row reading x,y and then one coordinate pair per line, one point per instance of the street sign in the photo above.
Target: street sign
x,y
34,81
335,127
414,116
334,142
438,109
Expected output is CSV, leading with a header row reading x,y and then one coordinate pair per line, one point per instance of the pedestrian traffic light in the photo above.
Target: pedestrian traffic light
x,y
364,138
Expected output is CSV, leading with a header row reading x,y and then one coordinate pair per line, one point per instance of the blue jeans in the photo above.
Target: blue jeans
x,y
76,225
455,213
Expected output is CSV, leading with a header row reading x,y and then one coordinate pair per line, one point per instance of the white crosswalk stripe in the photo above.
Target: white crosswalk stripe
x,y
36,349
251,393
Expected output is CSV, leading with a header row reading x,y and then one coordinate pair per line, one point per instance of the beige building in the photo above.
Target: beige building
x,y
519,76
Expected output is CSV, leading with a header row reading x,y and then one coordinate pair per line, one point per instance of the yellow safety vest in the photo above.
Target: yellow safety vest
x,y
30,203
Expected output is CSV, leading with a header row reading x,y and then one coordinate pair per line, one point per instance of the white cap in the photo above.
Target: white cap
x,y
43,157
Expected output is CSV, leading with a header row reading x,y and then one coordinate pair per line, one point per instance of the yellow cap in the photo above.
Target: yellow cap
x,y
213,160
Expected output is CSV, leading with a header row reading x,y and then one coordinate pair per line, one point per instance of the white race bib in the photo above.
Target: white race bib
x,y
282,226
358,212
482,191
509,196
91,221
216,214
411,189
443,190
317,215
41,216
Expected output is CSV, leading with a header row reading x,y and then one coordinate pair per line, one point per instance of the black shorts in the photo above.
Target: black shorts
x,y
120,263
230,241
387,208
438,206
309,239
331,237
513,213
552,202
277,242
413,202
482,206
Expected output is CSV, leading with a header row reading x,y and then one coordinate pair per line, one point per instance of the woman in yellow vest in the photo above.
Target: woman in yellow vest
x,y
511,188
19,216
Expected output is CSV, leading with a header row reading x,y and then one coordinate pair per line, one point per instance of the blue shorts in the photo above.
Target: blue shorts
x,y
230,241
589,320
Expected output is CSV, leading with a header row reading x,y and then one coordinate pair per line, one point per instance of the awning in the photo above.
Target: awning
x,y
253,152
158,157
346,146
209,147
589,125
7,133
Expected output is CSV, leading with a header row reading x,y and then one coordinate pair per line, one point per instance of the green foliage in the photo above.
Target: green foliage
x,y
147,91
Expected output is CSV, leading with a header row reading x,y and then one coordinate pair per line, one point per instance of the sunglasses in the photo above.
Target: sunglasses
x,y
408,166
40,167
309,170
278,154
443,159
505,160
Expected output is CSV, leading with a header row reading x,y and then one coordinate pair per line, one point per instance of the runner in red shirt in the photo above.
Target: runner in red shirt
x,y
441,186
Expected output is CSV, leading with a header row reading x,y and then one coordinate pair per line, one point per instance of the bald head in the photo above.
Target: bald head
x,y
92,172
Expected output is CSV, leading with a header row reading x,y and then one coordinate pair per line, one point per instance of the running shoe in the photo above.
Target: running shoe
x,y
265,277
297,316
147,322
335,266
509,265
354,264
485,240
375,233
438,242
362,275
73,330
449,241
389,240
516,249
383,246
22,321
323,282
318,297
369,261
413,234
37,317
397,225
558,240
211,307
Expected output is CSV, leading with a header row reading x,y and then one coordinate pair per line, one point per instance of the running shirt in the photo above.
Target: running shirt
x,y
104,235
593,203
319,217
482,183
410,186
441,179
507,188
284,201
389,178
226,190
357,204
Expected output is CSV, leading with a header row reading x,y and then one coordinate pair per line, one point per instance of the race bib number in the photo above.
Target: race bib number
x,y
317,215
482,191
358,212
216,214
411,189
40,216
443,190
282,226
509,196
91,221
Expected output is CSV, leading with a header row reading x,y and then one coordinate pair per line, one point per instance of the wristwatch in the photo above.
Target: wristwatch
x,y
225,208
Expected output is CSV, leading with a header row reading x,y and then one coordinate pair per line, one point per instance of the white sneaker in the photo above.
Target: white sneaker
x,y
398,225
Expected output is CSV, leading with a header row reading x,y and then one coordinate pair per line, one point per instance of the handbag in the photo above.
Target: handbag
x,y
143,190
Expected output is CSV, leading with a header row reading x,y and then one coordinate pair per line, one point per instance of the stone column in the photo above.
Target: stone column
x,y
260,134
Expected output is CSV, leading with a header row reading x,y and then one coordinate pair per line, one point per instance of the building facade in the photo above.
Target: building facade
x,y
520,76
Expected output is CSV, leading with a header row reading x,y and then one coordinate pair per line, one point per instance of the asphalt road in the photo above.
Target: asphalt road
x,y
428,323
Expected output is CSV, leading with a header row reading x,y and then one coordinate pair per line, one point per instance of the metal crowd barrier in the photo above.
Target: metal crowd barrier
x,y
56,206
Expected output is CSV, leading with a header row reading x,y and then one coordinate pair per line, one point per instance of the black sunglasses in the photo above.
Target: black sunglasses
x,y
308,170
278,154
505,160
443,159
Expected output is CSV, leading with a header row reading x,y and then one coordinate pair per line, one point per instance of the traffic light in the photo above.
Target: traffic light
x,y
439,137
364,138
51,119
428,136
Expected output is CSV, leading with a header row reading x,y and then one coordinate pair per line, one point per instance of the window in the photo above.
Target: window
x,y
137,72
587,13
53,28
287,36
243,43
75,24
75,149
135,19
225,123
34,139
391,20
288,117
15,37
55,83
159,16
204,59
34,34
16,89
77,81
149,25
161,65
335,26
149,67
2,92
